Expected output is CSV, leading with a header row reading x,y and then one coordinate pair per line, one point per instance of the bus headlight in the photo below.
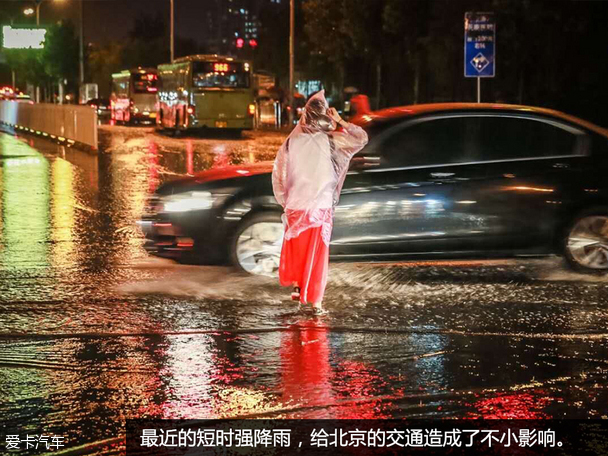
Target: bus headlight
x,y
190,201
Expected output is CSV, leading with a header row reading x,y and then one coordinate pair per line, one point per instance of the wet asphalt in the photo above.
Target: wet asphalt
x,y
94,331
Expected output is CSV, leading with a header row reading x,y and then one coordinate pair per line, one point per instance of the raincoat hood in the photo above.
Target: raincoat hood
x,y
314,117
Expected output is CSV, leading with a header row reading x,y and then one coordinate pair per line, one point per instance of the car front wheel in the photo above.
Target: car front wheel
x,y
586,243
256,248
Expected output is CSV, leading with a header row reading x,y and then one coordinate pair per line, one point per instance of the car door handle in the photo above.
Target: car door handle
x,y
441,175
561,165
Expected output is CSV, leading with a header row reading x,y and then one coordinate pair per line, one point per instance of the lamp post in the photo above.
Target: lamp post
x,y
38,3
172,31
291,45
81,44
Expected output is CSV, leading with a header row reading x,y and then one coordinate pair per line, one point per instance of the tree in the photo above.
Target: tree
x,y
60,53
103,61
27,64
272,53
327,32
365,37
148,44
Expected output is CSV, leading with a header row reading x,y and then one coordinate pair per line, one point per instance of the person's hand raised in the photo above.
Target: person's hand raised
x,y
333,115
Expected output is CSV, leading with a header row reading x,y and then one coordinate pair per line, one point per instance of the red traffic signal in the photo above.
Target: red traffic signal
x,y
253,43
240,42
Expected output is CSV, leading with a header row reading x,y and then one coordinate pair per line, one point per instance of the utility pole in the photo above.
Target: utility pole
x,y
291,44
172,32
81,54
38,3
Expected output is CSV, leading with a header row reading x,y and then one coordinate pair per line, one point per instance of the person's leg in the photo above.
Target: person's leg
x,y
295,294
314,279
287,272
294,254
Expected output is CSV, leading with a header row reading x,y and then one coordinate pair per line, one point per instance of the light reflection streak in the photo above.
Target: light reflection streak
x,y
188,372
25,209
63,213
325,387
516,406
189,157
153,178
391,210
524,188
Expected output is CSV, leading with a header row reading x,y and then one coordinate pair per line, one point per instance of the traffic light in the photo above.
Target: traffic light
x,y
240,42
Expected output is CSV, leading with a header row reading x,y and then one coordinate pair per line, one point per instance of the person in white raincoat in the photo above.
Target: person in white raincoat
x,y
307,178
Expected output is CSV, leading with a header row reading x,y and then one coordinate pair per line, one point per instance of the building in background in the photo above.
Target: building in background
x,y
233,26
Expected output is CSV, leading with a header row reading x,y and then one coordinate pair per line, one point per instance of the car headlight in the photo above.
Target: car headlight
x,y
190,201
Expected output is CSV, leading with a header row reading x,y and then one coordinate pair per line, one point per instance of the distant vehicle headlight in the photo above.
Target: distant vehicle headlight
x,y
190,201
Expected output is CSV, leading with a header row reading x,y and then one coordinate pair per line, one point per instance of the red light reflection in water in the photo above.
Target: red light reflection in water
x,y
516,406
214,376
152,166
189,157
350,391
221,158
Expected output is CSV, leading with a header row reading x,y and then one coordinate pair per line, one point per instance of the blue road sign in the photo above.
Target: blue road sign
x,y
479,45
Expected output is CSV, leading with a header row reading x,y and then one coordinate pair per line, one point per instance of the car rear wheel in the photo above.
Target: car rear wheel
x,y
586,243
256,248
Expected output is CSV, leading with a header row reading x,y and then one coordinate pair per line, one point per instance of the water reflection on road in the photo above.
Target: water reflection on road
x,y
94,332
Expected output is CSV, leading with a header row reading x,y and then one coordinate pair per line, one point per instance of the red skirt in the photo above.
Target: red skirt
x,y
305,261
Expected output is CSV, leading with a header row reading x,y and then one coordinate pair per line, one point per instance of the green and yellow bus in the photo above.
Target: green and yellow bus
x,y
133,96
206,91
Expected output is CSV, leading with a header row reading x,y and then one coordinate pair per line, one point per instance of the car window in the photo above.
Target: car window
x,y
474,138
503,138
427,142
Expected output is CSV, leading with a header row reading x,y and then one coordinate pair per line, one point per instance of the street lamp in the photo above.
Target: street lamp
x,y
291,63
172,31
38,3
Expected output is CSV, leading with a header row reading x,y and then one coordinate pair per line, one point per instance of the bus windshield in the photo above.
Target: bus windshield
x,y
219,75
145,83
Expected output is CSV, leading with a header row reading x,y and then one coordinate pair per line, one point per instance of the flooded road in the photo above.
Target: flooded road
x,y
93,331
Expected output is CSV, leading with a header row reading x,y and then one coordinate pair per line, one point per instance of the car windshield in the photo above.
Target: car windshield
x,y
220,75
145,82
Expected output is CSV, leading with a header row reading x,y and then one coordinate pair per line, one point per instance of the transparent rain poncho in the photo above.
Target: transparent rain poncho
x,y
310,169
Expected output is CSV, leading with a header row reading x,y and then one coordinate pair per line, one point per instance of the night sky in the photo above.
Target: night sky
x,y
106,20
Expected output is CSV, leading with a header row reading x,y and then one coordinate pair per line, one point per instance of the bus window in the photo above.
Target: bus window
x,y
219,75
181,78
121,88
145,83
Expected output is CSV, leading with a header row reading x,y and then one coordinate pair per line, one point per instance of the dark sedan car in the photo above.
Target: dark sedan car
x,y
102,105
435,181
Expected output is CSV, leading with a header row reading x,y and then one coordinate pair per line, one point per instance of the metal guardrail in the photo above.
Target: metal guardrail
x,y
63,122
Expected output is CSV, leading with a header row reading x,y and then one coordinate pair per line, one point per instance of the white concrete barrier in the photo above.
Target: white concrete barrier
x,y
65,122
